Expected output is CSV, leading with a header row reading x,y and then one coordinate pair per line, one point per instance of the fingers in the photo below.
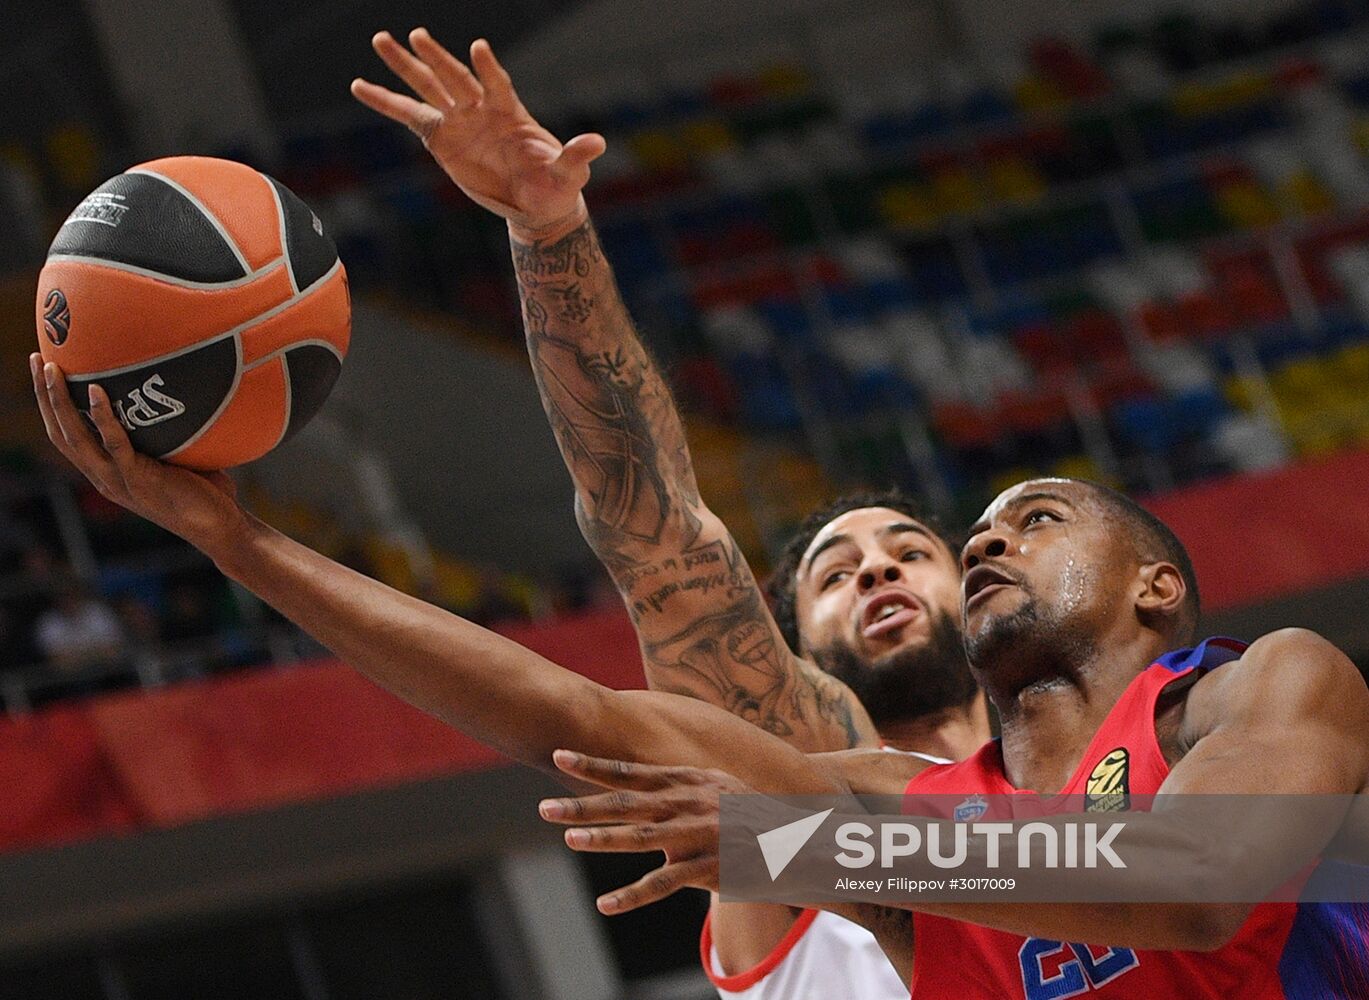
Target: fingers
x,y
74,434
657,885
677,837
412,70
112,433
616,807
40,392
419,117
573,162
66,428
498,87
583,149
459,81
620,773
628,839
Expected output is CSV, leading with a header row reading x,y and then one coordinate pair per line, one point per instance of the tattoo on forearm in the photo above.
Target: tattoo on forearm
x,y
638,504
573,254
649,587
575,306
609,407
732,657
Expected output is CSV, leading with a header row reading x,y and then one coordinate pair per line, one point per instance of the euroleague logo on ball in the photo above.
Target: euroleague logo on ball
x,y
57,318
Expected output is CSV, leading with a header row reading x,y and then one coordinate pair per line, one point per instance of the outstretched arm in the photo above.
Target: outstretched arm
x,y
703,624
477,681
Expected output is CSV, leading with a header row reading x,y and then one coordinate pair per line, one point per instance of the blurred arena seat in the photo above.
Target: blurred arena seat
x,y
1143,255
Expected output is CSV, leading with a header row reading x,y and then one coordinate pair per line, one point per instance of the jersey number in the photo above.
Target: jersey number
x,y
1078,974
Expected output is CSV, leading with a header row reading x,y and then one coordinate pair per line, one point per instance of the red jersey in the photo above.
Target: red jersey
x,y
1284,951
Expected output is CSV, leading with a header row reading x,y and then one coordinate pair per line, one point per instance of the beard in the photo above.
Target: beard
x,y
1004,636
906,683
1025,647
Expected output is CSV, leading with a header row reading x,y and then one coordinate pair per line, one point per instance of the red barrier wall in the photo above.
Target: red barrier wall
x,y
1253,538
257,739
250,741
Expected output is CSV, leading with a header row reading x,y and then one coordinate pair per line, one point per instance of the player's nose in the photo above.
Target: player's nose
x,y
987,544
877,573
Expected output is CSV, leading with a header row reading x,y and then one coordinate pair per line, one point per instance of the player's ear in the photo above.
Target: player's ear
x,y
1162,591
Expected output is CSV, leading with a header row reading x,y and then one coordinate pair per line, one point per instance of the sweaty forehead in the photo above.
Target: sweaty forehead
x,y
1070,490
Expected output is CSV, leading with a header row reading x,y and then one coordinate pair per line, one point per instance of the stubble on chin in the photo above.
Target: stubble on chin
x,y
1001,636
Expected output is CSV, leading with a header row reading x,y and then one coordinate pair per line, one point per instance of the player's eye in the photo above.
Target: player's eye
x,y
1040,516
912,555
832,578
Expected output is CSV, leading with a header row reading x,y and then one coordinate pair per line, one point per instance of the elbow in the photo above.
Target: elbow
x,y
1203,870
1205,927
607,542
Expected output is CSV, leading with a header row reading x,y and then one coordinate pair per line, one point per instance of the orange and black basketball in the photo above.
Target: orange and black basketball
x,y
208,302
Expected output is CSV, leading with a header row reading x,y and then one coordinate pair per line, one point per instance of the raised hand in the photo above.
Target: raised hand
x,y
200,507
481,135
649,808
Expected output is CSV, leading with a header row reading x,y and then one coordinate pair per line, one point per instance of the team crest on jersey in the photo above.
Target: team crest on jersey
x,y
971,809
1108,788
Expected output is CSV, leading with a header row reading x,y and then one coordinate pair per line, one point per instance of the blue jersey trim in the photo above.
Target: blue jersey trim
x,y
1326,956
1208,654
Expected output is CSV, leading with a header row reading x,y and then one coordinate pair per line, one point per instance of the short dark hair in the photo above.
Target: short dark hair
x,y
780,586
1154,542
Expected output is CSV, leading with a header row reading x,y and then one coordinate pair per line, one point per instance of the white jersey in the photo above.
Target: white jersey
x,y
822,957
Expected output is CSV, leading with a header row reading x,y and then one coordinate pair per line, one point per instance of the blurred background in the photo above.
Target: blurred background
x,y
938,244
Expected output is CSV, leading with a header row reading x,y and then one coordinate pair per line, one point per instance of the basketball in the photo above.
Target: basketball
x,y
206,299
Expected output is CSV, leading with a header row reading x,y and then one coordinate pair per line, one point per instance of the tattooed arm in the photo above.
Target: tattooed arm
x,y
704,628
702,622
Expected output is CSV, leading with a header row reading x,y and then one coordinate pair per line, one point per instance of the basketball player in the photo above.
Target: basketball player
x,y
1070,592
883,618
1077,606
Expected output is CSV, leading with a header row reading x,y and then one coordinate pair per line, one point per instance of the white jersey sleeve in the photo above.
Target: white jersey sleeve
x,y
823,957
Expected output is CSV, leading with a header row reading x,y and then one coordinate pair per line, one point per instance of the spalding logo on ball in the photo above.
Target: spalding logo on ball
x,y
208,302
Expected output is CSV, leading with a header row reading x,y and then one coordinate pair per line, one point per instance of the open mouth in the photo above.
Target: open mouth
x,y
983,581
888,612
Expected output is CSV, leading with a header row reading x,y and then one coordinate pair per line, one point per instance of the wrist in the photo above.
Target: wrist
x,y
232,544
554,230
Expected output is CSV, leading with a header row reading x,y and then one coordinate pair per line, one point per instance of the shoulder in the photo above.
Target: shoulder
x,y
1288,675
1294,663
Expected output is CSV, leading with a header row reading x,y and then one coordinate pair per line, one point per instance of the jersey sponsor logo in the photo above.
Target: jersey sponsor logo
x,y
56,317
1053,970
971,809
1108,788
141,407
100,207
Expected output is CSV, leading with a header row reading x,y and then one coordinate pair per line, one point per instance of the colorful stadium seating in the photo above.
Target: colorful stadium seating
x,y
1144,259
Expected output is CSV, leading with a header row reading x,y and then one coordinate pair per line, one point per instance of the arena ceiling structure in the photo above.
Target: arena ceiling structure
x,y
309,52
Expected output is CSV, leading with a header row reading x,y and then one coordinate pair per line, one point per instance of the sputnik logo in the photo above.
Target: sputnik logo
x,y
780,845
